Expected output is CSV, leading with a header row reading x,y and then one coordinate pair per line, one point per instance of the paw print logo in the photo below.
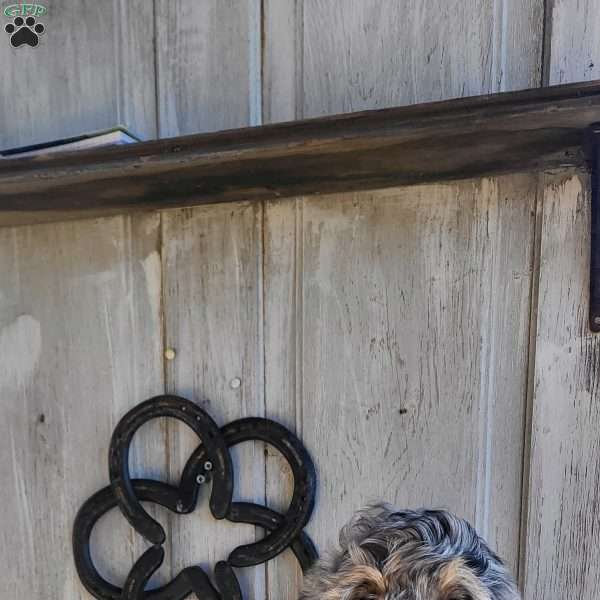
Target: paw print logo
x,y
24,31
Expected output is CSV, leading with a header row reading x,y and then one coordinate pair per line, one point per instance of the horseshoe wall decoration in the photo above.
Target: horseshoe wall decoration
x,y
209,462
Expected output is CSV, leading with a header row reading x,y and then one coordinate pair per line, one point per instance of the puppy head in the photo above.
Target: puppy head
x,y
409,555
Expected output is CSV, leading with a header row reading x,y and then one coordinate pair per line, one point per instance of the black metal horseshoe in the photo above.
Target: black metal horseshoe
x,y
261,516
118,461
190,580
291,524
87,517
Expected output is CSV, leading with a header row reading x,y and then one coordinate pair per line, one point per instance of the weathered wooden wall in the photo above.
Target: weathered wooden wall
x,y
429,344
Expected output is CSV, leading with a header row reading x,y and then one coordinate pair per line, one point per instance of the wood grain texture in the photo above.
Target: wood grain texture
x,y
79,345
519,131
93,69
404,315
359,54
283,367
561,556
562,551
332,270
80,336
208,72
573,44
449,329
213,321
208,65
282,60
135,67
80,304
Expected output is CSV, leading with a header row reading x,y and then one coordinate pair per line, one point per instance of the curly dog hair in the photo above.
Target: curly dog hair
x,y
389,554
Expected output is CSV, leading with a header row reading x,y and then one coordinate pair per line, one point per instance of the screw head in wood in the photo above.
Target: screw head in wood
x,y
208,466
200,479
169,354
235,383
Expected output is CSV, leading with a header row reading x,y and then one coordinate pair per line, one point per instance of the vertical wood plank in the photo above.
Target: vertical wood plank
x,y
213,321
562,556
208,65
404,315
93,69
82,305
282,60
208,73
283,368
79,345
574,47
355,54
418,320
135,66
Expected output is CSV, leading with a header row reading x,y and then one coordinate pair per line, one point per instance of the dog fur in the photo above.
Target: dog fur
x,y
388,554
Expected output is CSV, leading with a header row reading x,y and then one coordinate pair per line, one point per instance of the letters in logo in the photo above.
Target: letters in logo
x,y
25,10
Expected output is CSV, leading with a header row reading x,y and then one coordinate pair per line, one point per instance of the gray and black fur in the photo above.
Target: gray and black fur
x,y
388,554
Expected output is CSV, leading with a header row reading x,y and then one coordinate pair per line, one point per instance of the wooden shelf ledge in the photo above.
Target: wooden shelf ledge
x,y
485,135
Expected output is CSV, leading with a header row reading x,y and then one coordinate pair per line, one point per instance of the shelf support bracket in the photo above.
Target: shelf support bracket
x,y
592,148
